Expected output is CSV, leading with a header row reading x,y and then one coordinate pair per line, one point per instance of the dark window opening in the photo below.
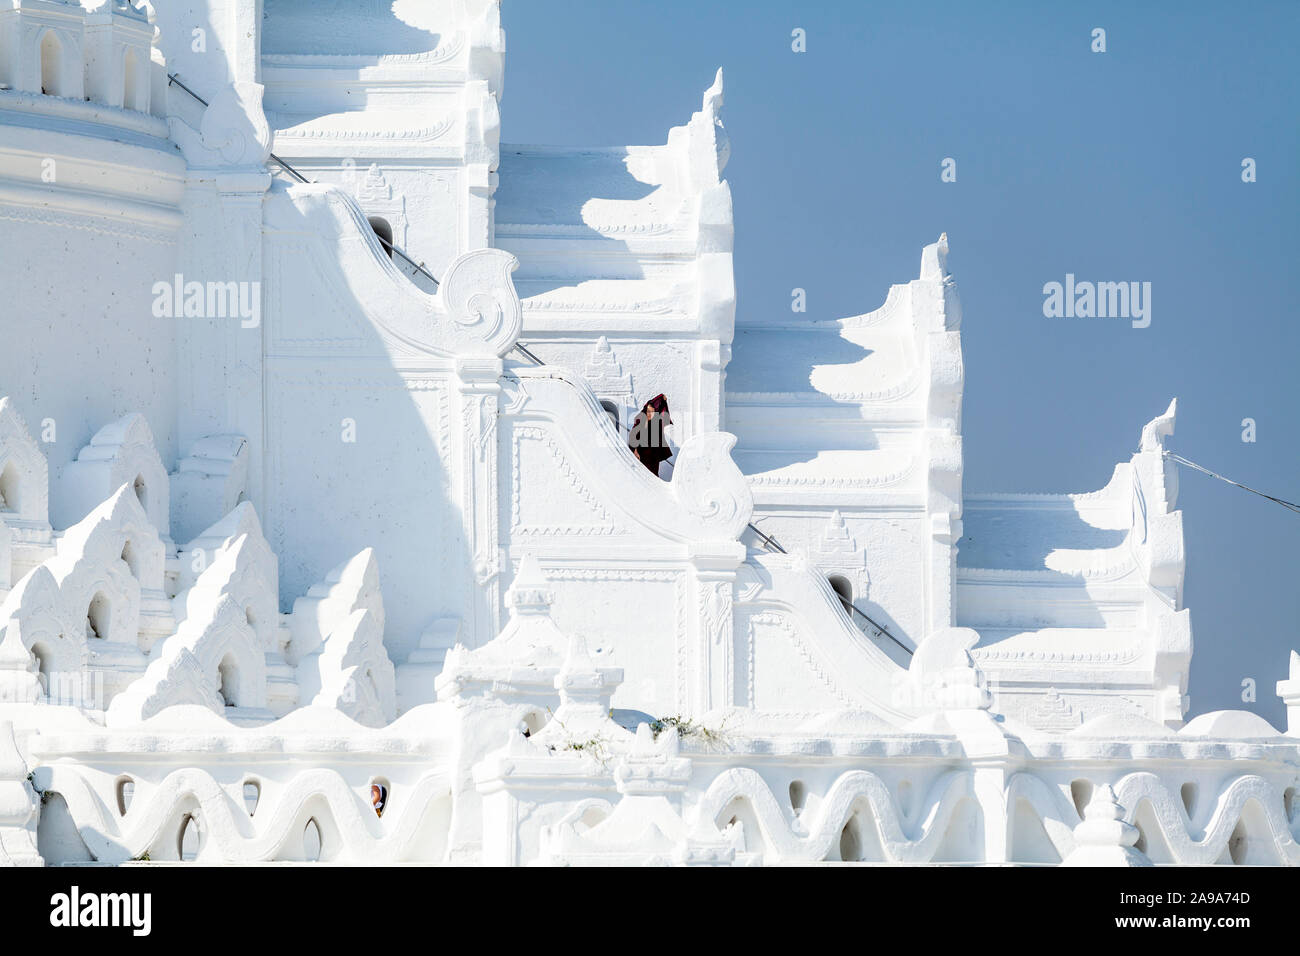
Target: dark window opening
x,y
612,411
385,233
843,589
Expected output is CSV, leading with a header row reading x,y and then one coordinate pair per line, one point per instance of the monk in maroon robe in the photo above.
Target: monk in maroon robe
x,y
647,439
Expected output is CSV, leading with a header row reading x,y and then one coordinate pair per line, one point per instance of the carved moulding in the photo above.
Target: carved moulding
x,y
710,488
904,837
474,314
600,522
233,133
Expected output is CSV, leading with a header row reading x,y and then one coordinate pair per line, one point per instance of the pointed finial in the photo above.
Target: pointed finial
x,y
1104,806
578,660
645,740
530,592
713,96
1159,428
1103,838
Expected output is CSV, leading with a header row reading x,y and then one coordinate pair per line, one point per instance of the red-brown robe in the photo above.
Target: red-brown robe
x,y
647,439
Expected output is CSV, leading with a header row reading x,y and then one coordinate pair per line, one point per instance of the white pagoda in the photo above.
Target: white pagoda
x,y
321,538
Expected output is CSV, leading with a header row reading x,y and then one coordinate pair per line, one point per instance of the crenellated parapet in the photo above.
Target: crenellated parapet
x,y
523,761
1083,592
855,424
610,237
113,619
233,557
80,613
102,53
695,794
45,47
212,661
121,453
119,55
337,644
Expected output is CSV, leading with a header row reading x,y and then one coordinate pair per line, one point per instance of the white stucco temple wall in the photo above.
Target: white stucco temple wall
x,y
311,549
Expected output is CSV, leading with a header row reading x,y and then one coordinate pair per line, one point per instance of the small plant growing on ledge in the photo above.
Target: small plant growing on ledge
x,y
686,727
31,779
595,747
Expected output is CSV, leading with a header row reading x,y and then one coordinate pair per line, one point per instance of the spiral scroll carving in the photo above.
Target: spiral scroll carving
x,y
480,298
711,488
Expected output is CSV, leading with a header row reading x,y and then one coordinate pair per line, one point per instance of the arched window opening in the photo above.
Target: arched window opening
x,y
1081,794
10,489
141,492
612,411
798,795
189,839
533,722
311,841
1239,844
1188,793
125,791
99,617
1290,804
252,794
228,681
132,560
43,658
385,233
841,586
380,789
851,841
132,85
51,65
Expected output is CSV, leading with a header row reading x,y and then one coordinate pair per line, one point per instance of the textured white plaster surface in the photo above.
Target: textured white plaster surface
x,y
252,566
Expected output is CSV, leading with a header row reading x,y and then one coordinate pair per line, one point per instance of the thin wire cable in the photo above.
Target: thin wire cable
x,y
419,266
1290,505
773,545
523,350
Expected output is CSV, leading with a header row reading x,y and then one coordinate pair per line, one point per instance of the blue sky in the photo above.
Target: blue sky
x,y
1123,165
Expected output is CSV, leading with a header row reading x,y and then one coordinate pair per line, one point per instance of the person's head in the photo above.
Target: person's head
x,y
657,405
